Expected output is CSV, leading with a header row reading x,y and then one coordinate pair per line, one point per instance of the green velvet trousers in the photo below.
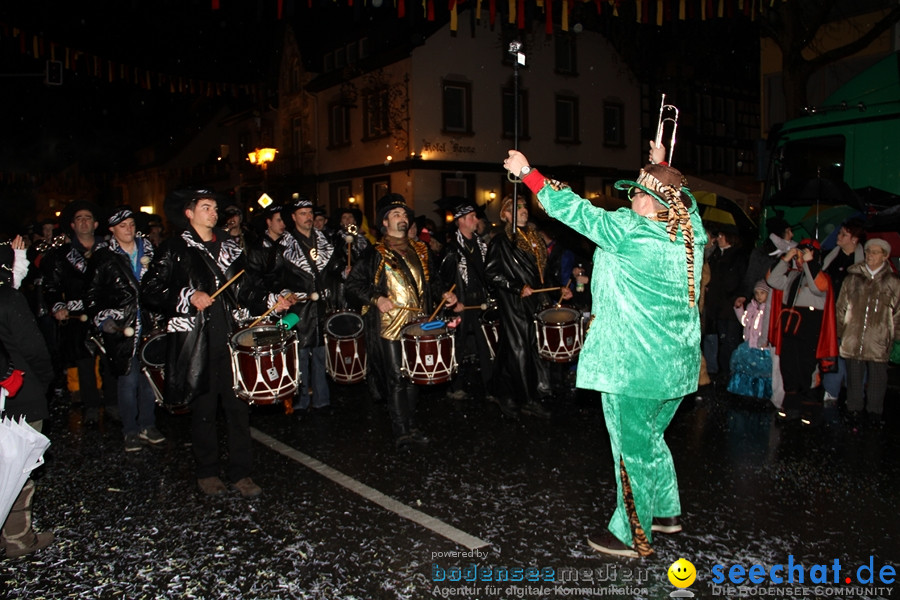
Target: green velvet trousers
x,y
646,483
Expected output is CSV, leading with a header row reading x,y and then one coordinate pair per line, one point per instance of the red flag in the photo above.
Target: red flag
x,y
520,14
492,9
548,11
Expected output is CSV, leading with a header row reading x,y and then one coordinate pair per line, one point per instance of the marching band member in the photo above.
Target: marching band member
x,y
186,271
350,243
65,282
309,267
642,350
113,302
464,263
516,264
394,275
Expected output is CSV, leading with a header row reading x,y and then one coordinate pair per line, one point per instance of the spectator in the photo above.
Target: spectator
x,y
847,252
868,323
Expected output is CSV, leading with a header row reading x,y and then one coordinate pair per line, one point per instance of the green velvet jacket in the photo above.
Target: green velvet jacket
x,y
644,340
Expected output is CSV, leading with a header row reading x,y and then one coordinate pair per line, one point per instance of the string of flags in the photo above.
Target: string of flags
x,y
95,65
515,12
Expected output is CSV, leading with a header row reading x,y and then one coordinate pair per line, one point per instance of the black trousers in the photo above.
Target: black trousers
x,y
800,328
204,428
402,394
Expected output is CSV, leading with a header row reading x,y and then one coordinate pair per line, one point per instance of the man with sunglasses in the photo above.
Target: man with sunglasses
x,y
642,350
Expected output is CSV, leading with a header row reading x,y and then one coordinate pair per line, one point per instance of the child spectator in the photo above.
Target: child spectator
x,y
751,363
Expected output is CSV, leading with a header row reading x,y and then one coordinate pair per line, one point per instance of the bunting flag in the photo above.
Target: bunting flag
x,y
646,12
548,11
76,61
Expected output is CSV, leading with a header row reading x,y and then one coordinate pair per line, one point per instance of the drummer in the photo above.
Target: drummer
x,y
186,271
396,272
463,264
310,269
113,302
516,266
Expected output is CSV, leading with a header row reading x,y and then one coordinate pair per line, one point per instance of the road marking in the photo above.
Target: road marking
x,y
369,493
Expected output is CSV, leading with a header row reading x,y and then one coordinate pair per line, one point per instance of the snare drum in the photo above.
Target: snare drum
x,y
429,356
345,347
152,355
490,326
265,364
560,334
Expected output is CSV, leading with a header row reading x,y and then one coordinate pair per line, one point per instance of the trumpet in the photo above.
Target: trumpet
x,y
665,116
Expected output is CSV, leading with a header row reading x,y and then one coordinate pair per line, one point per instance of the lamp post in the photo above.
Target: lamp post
x,y
261,157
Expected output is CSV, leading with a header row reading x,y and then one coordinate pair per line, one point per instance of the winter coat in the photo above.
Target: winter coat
x,y
868,313
300,274
181,266
114,293
28,352
368,281
65,283
261,283
644,340
520,369
726,271
755,319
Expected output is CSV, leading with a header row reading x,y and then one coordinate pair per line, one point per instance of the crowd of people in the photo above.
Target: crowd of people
x,y
662,294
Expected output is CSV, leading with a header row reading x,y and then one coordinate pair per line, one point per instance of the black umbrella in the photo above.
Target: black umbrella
x,y
822,190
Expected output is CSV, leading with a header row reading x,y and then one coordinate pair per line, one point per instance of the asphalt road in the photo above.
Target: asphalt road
x,y
344,515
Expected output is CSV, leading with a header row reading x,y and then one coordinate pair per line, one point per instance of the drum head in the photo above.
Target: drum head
x,y
153,351
415,330
261,335
344,325
558,315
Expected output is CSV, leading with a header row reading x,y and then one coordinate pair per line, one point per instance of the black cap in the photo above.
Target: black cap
x,y
388,203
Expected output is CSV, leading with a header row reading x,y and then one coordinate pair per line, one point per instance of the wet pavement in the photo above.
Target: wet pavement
x,y
487,498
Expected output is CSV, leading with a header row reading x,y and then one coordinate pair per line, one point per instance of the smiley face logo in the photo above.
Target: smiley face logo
x,y
682,573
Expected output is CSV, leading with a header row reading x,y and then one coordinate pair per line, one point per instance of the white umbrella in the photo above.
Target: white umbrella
x,y
21,451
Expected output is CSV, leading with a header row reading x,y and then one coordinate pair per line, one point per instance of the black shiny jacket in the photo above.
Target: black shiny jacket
x,y
299,276
65,283
27,351
114,293
181,266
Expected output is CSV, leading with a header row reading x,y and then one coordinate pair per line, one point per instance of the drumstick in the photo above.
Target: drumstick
x,y
82,317
411,308
562,291
299,298
551,289
476,307
229,282
450,291
266,314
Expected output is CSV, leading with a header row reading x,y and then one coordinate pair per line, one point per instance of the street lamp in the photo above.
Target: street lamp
x,y
262,157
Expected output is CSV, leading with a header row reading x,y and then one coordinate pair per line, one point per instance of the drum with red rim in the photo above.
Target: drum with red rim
x,y
265,364
560,334
429,355
152,355
345,347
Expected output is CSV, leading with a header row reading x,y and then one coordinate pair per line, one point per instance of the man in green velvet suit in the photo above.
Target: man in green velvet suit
x,y
642,350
